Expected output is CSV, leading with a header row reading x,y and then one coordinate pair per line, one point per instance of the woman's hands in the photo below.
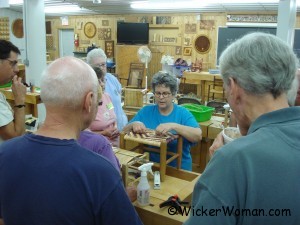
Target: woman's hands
x,y
165,129
138,127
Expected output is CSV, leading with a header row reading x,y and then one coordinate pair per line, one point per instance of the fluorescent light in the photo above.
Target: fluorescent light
x,y
55,7
238,24
62,9
15,2
192,4
168,5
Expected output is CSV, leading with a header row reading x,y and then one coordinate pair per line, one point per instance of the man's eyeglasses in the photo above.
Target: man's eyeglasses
x,y
164,94
13,63
102,65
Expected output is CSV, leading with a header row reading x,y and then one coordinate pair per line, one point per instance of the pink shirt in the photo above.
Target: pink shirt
x,y
105,118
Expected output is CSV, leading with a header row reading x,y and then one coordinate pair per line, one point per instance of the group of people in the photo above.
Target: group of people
x,y
54,176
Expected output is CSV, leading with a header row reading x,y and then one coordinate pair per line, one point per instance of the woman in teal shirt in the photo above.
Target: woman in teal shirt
x,y
165,117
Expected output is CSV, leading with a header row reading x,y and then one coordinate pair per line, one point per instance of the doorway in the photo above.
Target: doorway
x,y
66,42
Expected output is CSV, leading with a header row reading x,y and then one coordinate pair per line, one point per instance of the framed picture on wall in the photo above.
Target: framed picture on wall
x,y
187,51
178,50
109,49
105,23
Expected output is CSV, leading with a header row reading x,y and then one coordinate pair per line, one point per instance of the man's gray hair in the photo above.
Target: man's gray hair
x,y
260,63
95,53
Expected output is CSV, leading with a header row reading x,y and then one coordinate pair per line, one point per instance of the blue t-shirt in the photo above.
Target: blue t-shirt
x,y
51,181
151,117
114,89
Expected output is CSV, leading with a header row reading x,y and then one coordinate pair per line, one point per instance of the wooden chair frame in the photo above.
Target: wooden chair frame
x,y
216,88
135,76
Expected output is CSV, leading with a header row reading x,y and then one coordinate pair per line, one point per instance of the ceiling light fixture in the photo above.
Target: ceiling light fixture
x,y
192,4
62,9
168,5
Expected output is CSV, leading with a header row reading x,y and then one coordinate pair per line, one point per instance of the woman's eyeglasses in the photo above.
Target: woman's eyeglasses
x,y
164,94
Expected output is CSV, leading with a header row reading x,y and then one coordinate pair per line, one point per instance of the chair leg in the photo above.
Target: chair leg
x,y
163,159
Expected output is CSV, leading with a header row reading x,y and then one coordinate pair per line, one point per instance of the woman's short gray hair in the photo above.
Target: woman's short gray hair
x,y
66,81
165,79
260,63
95,53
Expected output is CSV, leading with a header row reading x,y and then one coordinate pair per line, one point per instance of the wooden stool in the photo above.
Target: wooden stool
x,y
151,139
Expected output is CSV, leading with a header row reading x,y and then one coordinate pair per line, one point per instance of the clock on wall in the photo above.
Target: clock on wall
x,y
202,44
90,29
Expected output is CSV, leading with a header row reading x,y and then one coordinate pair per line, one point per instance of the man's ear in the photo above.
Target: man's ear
x,y
234,90
88,102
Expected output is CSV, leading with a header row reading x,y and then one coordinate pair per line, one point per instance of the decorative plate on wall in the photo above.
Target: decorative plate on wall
x,y
17,28
202,44
90,29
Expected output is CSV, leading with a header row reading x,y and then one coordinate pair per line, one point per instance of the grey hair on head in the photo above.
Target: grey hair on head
x,y
95,53
260,63
292,93
165,79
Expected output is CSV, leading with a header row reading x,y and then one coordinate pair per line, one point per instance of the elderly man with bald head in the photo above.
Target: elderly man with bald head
x,y
47,177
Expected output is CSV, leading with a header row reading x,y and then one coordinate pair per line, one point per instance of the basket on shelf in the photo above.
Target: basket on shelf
x,y
200,112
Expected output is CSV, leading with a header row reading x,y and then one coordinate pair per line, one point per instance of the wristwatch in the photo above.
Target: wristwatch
x,y
19,106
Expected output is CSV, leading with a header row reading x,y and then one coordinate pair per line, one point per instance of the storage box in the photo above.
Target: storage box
x,y
200,112
178,70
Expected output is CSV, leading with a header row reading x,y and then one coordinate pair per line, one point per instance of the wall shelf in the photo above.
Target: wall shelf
x,y
163,44
163,26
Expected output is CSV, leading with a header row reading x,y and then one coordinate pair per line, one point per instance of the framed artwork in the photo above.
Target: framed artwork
x,y
109,49
105,23
207,24
163,20
178,50
90,29
143,19
190,28
187,41
169,40
104,33
79,25
187,51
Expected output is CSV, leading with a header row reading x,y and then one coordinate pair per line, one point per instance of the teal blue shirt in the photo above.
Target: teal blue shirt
x,y
151,117
256,175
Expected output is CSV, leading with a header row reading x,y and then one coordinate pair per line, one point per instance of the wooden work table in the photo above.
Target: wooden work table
x,y
178,182
31,101
199,79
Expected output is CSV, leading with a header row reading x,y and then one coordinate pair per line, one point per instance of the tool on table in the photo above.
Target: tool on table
x,y
173,201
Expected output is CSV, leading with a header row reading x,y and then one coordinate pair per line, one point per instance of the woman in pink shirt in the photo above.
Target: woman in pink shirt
x,y
105,122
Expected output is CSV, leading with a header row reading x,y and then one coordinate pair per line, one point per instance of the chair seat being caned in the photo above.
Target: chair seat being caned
x,y
148,139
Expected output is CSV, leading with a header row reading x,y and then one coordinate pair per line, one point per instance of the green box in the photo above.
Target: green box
x,y
200,112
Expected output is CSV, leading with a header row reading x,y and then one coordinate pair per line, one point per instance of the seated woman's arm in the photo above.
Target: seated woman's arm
x,y
136,127
192,134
